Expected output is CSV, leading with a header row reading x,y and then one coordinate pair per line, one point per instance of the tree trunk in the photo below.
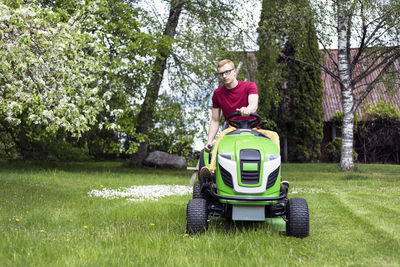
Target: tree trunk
x,y
344,67
285,149
145,115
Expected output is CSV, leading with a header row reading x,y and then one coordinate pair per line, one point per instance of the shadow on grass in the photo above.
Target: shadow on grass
x,y
228,226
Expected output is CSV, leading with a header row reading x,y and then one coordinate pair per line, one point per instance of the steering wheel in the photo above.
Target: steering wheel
x,y
246,124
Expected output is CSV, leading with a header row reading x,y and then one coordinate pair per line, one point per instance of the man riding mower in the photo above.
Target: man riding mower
x,y
244,182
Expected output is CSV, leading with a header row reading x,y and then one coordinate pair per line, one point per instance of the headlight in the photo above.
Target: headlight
x,y
273,156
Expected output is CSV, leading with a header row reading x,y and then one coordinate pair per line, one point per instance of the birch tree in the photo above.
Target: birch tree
x,y
373,28
347,88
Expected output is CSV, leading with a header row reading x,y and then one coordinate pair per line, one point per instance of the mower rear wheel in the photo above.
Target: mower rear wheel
x,y
297,216
196,216
197,190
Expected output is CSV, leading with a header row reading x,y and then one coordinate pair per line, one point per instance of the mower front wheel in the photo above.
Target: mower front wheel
x,y
297,216
196,216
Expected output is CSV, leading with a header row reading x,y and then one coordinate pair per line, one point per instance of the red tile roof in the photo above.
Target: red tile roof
x,y
332,94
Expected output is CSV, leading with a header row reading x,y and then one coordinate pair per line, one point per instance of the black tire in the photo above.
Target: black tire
x,y
196,216
197,190
297,216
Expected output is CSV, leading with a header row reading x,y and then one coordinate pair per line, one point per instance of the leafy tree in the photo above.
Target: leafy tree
x,y
145,116
270,68
291,89
127,49
304,87
189,51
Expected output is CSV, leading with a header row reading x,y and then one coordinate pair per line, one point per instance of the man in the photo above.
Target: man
x,y
231,97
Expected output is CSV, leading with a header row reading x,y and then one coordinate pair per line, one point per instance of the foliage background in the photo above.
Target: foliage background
x,y
74,74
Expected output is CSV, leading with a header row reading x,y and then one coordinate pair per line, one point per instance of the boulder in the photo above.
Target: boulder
x,y
164,160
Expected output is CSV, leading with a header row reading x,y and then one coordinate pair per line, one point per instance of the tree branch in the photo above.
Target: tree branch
x,y
371,86
361,48
373,66
179,67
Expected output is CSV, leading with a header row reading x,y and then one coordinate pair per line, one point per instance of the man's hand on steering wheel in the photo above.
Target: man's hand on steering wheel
x,y
244,111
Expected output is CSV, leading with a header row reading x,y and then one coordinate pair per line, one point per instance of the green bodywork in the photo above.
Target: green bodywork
x,y
232,144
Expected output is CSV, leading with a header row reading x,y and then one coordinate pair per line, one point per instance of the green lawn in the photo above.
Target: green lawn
x,y
44,209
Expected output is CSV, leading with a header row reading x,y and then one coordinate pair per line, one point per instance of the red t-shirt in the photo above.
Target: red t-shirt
x,y
230,99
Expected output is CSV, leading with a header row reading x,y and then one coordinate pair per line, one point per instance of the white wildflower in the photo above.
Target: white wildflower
x,y
142,192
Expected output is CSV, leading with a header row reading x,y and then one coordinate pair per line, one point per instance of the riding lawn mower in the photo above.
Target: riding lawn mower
x,y
246,184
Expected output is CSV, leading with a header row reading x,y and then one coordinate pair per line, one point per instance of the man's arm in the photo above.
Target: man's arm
x,y
251,108
213,128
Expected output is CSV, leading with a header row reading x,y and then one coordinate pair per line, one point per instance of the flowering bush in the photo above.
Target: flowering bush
x,y
49,72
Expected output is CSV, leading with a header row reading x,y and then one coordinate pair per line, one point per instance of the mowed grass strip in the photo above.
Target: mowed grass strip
x,y
48,218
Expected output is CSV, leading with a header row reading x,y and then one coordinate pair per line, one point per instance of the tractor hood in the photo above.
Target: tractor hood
x,y
248,162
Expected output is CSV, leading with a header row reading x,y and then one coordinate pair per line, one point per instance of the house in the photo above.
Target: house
x,y
332,93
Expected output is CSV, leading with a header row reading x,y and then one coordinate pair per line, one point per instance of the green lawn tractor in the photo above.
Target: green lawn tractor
x,y
246,185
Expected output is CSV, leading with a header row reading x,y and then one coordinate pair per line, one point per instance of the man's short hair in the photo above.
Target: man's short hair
x,y
224,62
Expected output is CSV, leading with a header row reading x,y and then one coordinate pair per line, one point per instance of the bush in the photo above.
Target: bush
x,y
377,139
7,147
55,150
333,150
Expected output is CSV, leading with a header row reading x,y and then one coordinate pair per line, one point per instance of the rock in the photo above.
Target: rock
x,y
164,160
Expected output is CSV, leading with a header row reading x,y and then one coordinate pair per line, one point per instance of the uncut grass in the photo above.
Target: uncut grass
x,y
353,220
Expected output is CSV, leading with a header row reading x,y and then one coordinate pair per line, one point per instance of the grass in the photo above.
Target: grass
x,y
354,220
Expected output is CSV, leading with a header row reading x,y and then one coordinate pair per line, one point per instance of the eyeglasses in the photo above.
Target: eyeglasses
x,y
227,72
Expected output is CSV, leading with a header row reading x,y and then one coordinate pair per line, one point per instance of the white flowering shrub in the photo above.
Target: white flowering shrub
x,y
50,72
